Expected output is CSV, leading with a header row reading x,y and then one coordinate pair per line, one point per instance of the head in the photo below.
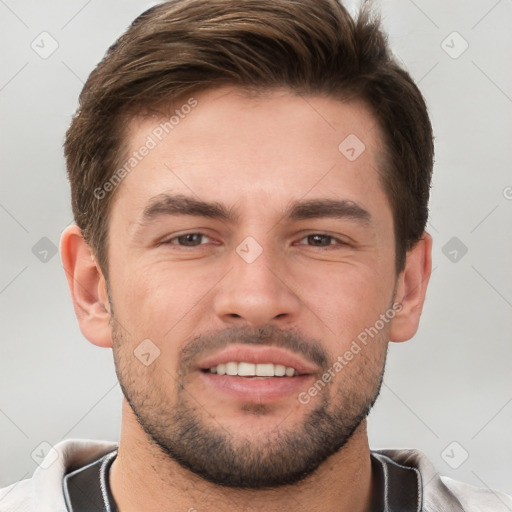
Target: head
x,y
249,180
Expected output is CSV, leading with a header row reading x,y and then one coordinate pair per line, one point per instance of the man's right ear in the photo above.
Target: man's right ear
x,y
87,286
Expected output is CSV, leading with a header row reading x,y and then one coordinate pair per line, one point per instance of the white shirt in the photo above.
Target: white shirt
x,y
43,492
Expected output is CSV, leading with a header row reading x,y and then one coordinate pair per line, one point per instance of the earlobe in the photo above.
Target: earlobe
x,y
411,289
87,286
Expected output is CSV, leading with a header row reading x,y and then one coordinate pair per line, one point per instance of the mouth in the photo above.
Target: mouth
x,y
256,374
246,369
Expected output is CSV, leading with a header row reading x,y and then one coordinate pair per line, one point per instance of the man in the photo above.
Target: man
x,y
250,186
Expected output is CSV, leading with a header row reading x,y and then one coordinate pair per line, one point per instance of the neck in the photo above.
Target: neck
x,y
342,483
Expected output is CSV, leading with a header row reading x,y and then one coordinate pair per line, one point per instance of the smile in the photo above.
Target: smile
x,y
245,369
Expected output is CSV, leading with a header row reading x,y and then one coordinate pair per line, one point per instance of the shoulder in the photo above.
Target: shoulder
x,y
441,493
481,499
43,491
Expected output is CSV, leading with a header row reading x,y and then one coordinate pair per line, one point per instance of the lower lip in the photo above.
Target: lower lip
x,y
258,391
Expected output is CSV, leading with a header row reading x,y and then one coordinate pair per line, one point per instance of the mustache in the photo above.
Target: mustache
x,y
210,342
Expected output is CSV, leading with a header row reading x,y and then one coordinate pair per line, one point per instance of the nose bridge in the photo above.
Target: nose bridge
x,y
257,265
256,289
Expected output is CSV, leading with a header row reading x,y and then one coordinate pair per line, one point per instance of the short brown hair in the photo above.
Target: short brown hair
x,y
307,46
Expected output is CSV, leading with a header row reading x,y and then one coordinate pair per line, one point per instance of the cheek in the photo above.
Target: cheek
x,y
163,305
157,294
346,298
150,387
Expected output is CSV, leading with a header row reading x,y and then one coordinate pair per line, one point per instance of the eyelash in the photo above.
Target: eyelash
x,y
324,235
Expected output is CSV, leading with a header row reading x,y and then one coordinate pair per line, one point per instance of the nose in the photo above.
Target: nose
x,y
257,292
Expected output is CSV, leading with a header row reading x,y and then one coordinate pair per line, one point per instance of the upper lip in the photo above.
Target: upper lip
x,y
252,354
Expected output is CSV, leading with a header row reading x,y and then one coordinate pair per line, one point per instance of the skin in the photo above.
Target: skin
x,y
256,156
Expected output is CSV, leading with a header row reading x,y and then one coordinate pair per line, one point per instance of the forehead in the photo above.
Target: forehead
x,y
252,150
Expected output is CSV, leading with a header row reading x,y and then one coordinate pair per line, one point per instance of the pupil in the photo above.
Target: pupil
x,y
190,239
319,240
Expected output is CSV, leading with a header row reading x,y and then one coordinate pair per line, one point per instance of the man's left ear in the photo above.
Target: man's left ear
x,y
411,289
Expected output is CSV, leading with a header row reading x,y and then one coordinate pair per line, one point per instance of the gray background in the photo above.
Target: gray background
x,y
451,383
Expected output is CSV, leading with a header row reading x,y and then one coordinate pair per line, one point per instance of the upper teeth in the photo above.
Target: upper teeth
x,y
244,369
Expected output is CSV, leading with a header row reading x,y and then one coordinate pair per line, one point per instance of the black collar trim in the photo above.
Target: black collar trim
x,y
397,488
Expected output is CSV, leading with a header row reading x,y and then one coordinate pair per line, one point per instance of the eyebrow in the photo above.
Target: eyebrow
x,y
333,208
166,204
169,205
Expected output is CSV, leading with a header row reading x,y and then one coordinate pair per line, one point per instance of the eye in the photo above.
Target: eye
x,y
320,240
187,240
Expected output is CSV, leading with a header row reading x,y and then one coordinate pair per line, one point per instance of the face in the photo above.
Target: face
x,y
249,253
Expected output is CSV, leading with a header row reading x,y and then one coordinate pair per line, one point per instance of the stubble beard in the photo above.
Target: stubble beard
x,y
185,433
